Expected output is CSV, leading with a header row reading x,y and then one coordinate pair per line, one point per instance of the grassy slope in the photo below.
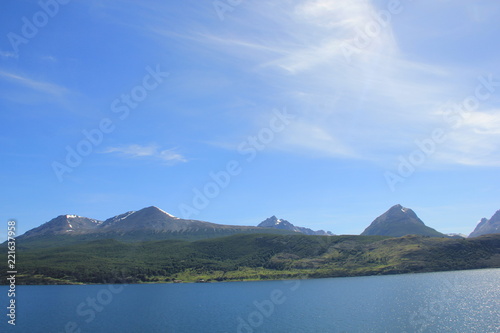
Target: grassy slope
x,y
251,257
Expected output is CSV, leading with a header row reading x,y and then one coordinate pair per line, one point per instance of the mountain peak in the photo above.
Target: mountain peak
x,y
148,218
274,222
64,224
485,226
398,208
399,221
156,210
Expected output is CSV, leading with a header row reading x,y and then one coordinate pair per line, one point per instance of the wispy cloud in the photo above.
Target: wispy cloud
x,y
373,105
170,156
6,54
36,85
49,58
475,142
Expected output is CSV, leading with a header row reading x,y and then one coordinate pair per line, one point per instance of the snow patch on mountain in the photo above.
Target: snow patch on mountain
x,y
170,215
274,222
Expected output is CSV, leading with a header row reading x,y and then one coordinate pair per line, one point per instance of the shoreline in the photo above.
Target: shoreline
x,y
250,280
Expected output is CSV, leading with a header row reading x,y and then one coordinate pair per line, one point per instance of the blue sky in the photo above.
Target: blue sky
x,y
322,112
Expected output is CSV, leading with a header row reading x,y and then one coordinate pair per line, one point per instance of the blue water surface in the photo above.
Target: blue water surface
x,y
461,301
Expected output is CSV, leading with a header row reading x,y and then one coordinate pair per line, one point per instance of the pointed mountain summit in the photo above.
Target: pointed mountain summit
x,y
149,218
274,222
485,226
399,221
155,220
63,225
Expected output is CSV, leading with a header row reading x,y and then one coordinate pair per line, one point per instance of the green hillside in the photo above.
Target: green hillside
x,y
251,257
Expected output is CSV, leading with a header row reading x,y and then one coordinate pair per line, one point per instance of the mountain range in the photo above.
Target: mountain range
x,y
151,245
152,223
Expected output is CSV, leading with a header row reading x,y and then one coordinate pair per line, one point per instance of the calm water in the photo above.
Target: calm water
x,y
464,301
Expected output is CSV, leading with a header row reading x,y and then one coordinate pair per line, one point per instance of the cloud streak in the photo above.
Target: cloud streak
x,y
36,85
169,156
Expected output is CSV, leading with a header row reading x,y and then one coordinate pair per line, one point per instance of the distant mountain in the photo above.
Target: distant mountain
x,y
485,226
155,220
456,236
274,222
64,225
399,221
150,223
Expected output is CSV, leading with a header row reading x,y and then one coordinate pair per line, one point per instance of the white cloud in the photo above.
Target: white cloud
x,y
315,138
152,151
36,85
475,142
484,123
